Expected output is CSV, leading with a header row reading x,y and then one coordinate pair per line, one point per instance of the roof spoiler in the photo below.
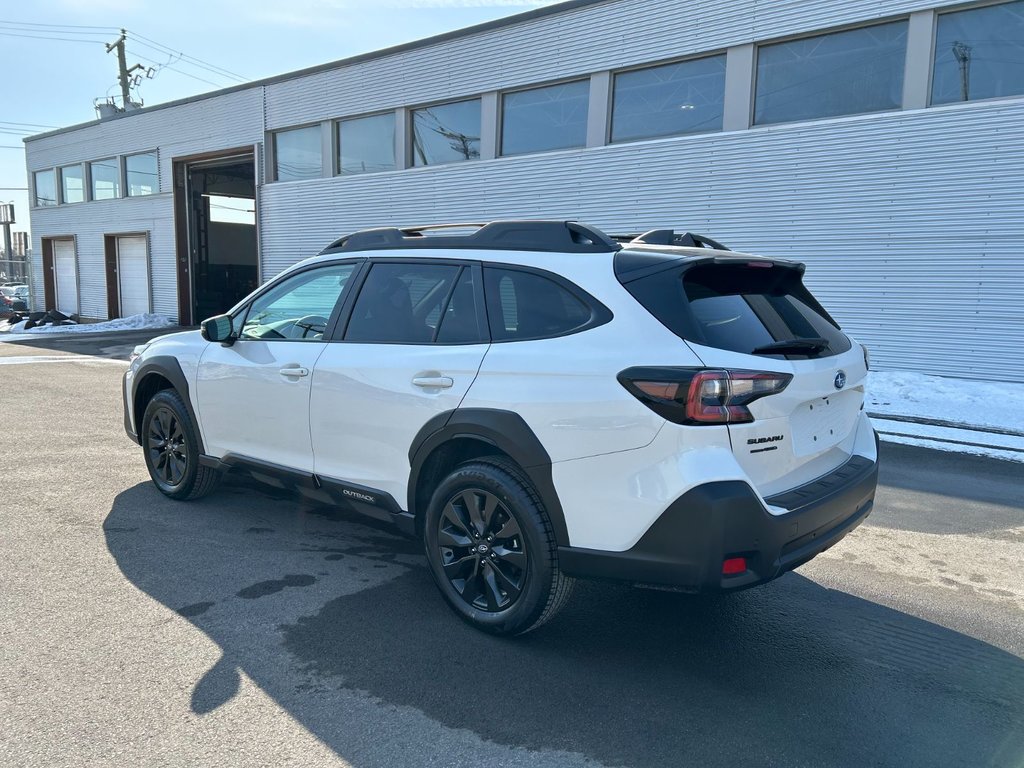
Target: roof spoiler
x,y
669,237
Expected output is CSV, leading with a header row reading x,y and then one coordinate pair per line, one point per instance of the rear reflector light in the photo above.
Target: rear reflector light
x,y
734,566
701,395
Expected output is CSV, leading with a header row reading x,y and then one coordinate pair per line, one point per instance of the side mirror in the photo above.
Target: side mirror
x,y
218,328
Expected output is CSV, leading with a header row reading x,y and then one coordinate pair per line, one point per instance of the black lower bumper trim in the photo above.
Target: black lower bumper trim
x,y
686,546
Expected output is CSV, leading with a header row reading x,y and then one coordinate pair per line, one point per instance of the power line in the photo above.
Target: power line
x,y
150,43
161,65
63,26
33,125
45,37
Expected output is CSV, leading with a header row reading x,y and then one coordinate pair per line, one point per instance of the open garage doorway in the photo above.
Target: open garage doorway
x,y
215,212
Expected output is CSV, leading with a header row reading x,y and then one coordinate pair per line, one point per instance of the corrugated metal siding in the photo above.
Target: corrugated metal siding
x,y
612,35
225,122
89,222
910,223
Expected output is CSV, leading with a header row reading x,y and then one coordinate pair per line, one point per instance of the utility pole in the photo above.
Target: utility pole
x,y
962,54
123,72
6,219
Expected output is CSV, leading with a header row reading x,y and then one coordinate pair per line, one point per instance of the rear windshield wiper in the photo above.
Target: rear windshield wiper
x,y
792,347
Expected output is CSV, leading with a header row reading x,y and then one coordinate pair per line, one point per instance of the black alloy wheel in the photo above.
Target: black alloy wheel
x,y
491,549
167,448
482,550
172,449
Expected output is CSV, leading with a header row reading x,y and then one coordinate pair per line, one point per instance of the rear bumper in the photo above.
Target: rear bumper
x,y
686,546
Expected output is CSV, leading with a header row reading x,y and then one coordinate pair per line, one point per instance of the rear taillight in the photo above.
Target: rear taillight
x,y
701,395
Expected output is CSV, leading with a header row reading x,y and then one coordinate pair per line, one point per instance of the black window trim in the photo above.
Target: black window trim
x,y
341,326
339,306
599,313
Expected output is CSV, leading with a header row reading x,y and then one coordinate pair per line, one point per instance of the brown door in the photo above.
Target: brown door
x,y
110,257
49,278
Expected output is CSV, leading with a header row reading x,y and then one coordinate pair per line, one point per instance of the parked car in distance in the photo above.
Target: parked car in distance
x,y
13,298
537,402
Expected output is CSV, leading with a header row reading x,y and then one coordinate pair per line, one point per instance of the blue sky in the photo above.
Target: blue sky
x,y
53,82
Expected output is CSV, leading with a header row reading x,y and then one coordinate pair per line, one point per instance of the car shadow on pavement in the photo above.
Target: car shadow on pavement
x,y
339,623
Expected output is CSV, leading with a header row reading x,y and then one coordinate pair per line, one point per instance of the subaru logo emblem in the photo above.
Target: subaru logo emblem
x,y
840,381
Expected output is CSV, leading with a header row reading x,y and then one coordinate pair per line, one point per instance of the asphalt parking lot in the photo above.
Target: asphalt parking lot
x,y
256,628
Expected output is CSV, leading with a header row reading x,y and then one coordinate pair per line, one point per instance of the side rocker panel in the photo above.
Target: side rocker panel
x,y
506,431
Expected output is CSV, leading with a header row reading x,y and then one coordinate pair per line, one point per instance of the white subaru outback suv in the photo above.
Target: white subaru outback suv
x,y
537,401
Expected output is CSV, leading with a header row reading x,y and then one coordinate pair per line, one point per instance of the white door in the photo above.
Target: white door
x,y
409,354
253,396
133,275
65,268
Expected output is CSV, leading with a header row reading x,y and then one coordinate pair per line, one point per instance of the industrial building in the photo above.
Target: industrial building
x,y
879,141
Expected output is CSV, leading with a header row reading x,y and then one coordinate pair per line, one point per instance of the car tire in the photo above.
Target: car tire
x,y
171,449
492,550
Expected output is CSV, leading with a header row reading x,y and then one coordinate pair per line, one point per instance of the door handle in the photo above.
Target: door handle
x,y
433,382
296,370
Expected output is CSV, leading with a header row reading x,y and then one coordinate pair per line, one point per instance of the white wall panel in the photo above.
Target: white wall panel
x,y
910,222
89,222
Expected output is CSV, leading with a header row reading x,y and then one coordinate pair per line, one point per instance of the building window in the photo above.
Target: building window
x,y
844,73
541,119
298,154
446,133
686,97
106,179
366,144
979,54
46,188
142,175
72,184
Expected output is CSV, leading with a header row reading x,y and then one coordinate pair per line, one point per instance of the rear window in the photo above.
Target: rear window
x,y
738,307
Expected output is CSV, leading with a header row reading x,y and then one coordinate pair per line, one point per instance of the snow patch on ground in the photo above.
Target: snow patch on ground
x,y
999,405
133,323
967,416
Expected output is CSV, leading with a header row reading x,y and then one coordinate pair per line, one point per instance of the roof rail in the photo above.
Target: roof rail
x,y
550,236
669,237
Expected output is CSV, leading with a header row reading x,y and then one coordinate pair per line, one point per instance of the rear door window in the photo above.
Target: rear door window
x,y
402,303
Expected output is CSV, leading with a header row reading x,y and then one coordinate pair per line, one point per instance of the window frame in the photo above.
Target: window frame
x,y
610,120
120,179
948,11
241,310
341,328
60,183
502,95
123,159
35,189
759,45
336,149
410,131
599,313
318,125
